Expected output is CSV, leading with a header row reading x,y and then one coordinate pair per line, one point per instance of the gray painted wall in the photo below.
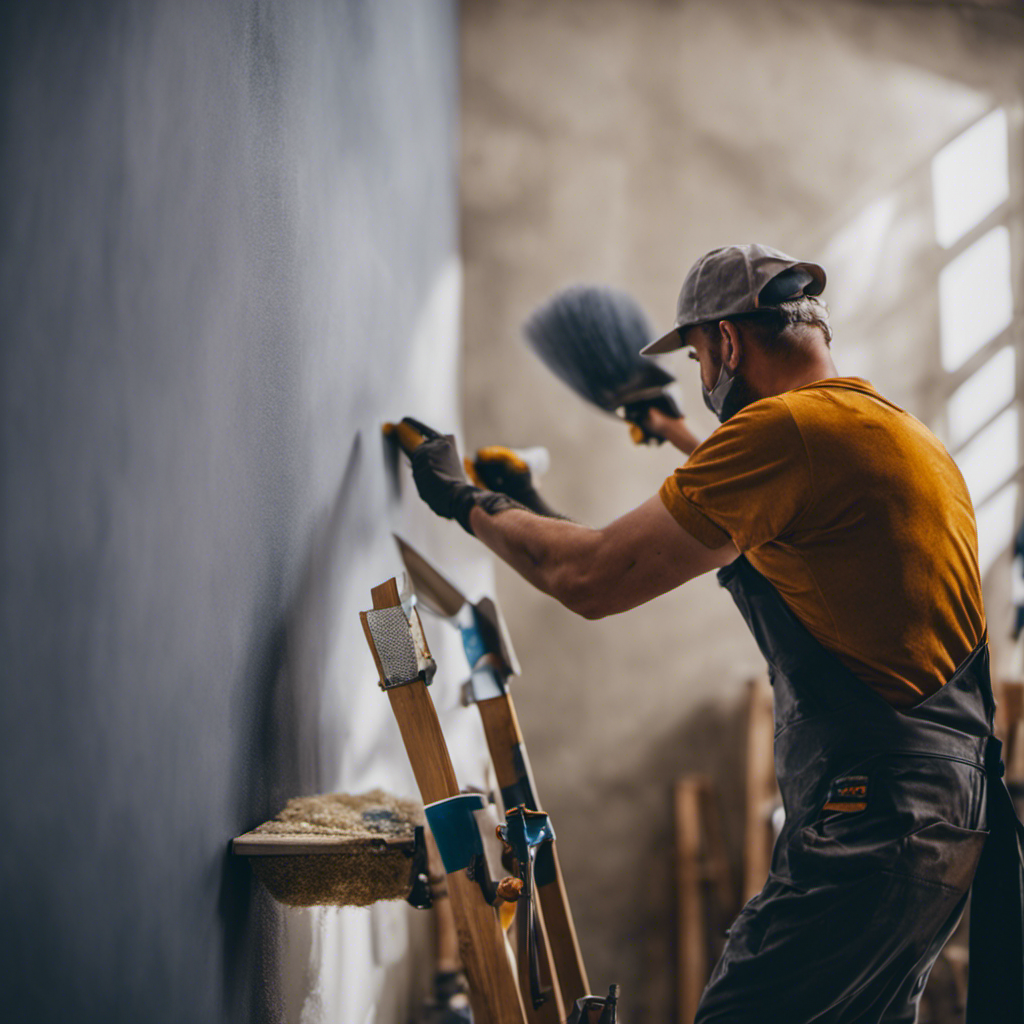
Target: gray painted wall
x,y
229,251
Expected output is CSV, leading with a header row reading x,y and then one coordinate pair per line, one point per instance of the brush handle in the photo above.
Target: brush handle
x,y
636,412
512,769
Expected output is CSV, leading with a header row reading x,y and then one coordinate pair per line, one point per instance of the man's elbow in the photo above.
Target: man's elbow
x,y
583,596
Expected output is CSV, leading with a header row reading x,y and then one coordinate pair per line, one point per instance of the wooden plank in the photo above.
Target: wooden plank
x,y
762,788
1010,727
1009,696
716,865
692,968
562,938
1015,759
501,727
551,1011
494,994
504,737
446,932
277,844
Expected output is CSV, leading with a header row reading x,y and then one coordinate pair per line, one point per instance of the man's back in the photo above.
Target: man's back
x,y
857,515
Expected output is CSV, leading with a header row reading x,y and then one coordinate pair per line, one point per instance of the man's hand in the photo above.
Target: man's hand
x,y
439,476
437,470
505,471
672,429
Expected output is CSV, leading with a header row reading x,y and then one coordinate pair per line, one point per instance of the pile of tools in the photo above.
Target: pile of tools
x,y
485,872
490,868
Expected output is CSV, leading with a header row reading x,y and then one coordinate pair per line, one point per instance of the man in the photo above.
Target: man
x,y
846,536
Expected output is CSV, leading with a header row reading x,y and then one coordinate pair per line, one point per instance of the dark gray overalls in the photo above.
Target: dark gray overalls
x,y
862,896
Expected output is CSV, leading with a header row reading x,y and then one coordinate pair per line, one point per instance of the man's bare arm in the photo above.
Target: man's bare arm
x,y
673,429
600,572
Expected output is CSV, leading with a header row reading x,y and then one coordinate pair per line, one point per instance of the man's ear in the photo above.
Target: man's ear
x,y
732,345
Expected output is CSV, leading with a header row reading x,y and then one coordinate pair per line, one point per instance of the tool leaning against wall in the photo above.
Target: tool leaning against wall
x,y
492,663
459,824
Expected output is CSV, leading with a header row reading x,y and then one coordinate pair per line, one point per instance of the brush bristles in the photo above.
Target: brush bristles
x,y
591,337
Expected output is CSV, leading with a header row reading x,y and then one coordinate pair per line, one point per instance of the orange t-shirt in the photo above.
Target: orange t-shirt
x,y
855,512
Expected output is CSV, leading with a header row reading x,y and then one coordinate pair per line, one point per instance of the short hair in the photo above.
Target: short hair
x,y
772,323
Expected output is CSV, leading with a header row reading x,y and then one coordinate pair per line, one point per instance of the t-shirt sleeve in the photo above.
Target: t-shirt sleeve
x,y
748,482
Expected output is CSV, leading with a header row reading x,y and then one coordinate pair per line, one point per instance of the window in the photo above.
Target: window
x,y
971,205
975,297
971,178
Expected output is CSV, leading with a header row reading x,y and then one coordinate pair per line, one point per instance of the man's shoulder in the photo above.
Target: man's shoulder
x,y
764,415
764,425
839,393
837,404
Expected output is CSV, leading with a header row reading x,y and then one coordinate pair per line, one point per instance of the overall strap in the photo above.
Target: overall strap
x,y
995,985
788,647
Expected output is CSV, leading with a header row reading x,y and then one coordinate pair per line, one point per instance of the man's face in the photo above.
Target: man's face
x,y
710,347
700,347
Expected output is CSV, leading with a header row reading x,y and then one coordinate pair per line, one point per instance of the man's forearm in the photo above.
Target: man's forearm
x,y
683,438
549,553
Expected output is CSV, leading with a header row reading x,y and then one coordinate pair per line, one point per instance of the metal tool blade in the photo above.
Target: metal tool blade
x,y
434,591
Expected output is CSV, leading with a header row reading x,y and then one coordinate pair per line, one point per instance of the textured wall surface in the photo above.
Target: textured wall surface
x,y
229,251
615,143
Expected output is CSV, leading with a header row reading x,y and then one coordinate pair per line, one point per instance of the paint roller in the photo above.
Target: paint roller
x,y
590,337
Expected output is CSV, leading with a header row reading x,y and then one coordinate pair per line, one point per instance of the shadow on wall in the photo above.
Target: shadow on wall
x,y
625,918
282,758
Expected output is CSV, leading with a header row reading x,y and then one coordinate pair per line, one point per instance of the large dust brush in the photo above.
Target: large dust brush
x,y
590,337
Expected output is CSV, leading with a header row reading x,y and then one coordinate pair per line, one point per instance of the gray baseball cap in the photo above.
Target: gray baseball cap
x,y
737,279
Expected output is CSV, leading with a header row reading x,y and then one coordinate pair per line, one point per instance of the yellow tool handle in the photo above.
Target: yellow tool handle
x,y
408,437
638,434
474,476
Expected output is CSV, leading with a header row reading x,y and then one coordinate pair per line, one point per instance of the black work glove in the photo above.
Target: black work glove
x,y
505,471
636,414
441,481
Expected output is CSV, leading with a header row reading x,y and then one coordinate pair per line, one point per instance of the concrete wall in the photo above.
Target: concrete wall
x,y
229,251
615,143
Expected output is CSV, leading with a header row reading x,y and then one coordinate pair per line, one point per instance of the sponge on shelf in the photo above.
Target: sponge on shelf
x,y
336,849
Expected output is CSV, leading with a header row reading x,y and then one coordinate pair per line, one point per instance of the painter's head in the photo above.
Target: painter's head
x,y
744,310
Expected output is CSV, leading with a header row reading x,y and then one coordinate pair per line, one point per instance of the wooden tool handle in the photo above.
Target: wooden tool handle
x,y
504,739
562,938
493,992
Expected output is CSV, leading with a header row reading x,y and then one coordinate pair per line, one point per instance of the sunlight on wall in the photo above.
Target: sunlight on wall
x,y
991,457
975,297
971,180
996,524
970,177
982,395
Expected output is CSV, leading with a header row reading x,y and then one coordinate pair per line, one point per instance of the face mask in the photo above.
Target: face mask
x,y
717,399
730,394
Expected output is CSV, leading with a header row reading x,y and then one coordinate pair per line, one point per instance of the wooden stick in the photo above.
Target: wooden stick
x,y
1010,727
692,968
446,933
716,867
278,844
504,739
494,994
762,789
703,886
